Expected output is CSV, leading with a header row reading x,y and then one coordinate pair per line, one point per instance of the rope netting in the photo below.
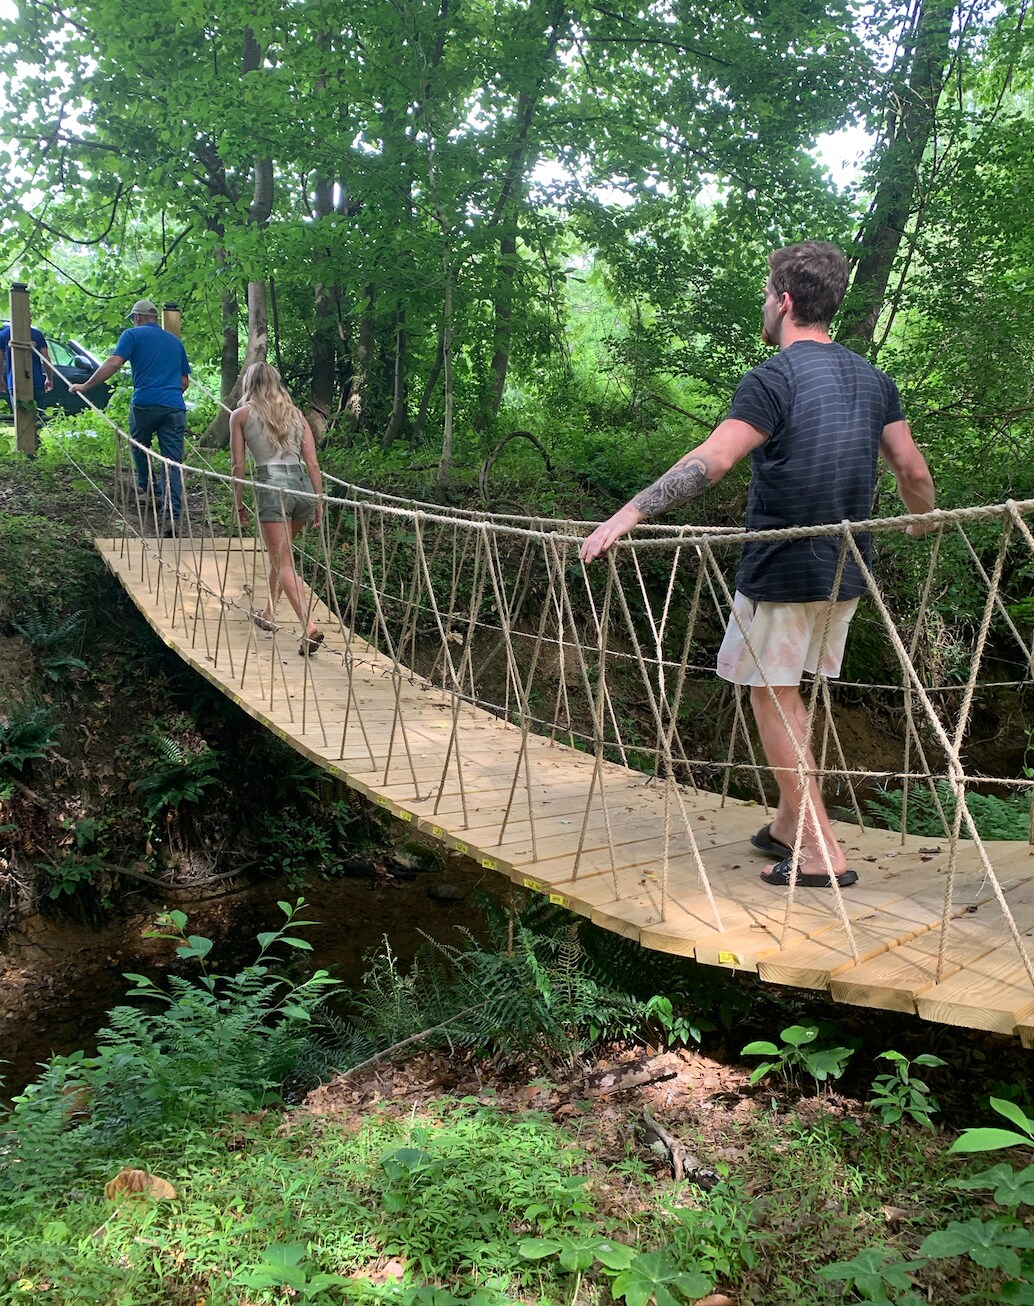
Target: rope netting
x,y
617,660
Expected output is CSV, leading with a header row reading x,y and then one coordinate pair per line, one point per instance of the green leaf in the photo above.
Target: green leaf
x,y
317,1283
761,1071
987,1140
1018,1294
654,1274
870,1270
534,1249
283,1254
195,946
577,1258
1011,1187
1012,1112
798,1035
295,1012
55,1231
988,1242
759,1050
615,1256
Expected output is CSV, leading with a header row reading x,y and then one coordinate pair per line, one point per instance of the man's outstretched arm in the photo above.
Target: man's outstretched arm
x,y
904,458
705,465
107,369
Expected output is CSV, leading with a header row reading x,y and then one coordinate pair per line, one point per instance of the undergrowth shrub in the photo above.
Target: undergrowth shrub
x,y
999,1241
180,775
534,994
186,1057
45,566
27,734
46,633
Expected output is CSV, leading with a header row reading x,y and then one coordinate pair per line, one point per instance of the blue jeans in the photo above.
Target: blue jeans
x,y
170,425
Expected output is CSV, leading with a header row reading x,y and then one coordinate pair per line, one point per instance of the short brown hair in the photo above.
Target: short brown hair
x,y
814,274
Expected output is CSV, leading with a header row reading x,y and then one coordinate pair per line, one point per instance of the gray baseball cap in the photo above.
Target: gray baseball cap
x,y
144,307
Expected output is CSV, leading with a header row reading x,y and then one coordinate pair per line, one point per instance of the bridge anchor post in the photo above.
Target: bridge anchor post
x,y
23,396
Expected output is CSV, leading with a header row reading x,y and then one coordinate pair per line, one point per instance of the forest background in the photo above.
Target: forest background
x,y
448,220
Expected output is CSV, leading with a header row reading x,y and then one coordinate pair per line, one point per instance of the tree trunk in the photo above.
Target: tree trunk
x,y
915,91
397,420
217,434
258,336
325,328
503,317
425,399
444,472
355,407
513,183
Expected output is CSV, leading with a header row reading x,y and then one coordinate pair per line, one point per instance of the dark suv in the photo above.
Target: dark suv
x,y
72,363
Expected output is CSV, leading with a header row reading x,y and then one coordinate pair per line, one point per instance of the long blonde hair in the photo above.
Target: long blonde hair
x,y
267,397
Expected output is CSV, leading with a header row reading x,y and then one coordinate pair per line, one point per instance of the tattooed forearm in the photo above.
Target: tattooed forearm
x,y
677,486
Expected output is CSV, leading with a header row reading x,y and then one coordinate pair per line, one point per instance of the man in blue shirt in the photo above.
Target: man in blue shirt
x,y
42,383
161,373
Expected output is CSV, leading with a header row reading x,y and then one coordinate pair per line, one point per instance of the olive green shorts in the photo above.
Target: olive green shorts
x,y
281,496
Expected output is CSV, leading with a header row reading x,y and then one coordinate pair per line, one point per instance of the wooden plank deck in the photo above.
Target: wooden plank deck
x,y
523,814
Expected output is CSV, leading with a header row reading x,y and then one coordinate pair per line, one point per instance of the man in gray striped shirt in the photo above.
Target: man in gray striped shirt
x,y
814,419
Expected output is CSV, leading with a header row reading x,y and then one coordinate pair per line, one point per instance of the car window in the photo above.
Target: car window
x,y
59,354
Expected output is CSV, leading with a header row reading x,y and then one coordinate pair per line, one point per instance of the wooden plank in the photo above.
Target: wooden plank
x,y
879,920
993,992
892,980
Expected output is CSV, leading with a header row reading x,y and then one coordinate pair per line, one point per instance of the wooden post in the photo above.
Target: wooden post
x,y
23,398
171,318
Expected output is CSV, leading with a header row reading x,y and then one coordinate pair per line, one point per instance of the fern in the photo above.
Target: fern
x,y
170,751
204,1048
44,637
994,817
43,633
180,776
539,998
27,734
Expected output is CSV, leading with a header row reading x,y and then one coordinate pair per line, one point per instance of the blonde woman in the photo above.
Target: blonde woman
x,y
284,453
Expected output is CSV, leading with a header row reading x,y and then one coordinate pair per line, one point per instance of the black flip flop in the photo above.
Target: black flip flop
x,y
262,622
780,877
766,842
311,643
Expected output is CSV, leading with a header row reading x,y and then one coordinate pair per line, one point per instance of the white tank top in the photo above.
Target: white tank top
x,y
262,448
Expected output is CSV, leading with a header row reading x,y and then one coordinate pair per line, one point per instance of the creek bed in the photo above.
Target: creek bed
x,y
59,979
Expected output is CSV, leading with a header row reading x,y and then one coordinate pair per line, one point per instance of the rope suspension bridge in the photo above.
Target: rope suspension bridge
x,y
479,683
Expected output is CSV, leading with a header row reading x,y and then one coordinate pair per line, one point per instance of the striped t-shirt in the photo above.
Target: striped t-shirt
x,y
824,409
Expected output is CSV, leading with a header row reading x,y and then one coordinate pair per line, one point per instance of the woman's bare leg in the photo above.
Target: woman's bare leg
x,y
282,576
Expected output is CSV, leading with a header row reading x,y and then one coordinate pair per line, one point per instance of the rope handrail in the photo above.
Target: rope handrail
x,y
652,533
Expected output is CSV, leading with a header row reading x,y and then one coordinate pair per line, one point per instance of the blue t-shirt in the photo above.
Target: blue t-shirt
x,y
159,363
823,408
39,341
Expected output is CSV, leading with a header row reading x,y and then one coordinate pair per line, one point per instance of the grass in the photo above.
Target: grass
x,y
397,1192
462,1196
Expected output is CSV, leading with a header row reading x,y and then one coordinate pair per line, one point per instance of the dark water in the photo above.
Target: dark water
x,y
58,980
